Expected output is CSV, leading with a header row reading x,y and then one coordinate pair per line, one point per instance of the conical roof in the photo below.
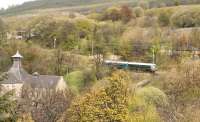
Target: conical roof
x,y
17,55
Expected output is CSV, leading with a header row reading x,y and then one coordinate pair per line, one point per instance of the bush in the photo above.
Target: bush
x,y
112,13
78,80
186,18
142,105
126,13
138,11
185,85
152,95
164,18
143,4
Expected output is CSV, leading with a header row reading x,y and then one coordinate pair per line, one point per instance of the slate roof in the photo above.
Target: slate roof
x,y
43,81
17,75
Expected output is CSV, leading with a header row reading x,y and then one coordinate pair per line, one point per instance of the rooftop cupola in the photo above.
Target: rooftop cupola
x,y
17,60
16,72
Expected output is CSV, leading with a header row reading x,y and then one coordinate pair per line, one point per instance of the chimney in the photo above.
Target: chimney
x,y
17,60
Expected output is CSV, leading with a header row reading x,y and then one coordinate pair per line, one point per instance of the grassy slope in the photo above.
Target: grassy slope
x,y
69,6
171,10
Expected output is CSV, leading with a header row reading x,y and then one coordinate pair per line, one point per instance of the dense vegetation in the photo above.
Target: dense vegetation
x,y
74,46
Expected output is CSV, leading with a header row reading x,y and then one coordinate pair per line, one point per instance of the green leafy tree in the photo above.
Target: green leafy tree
x,y
44,29
107,105
68,35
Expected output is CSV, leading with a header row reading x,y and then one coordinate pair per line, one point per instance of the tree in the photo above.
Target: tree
x,y
126,13
26,117
105,40
176,2
112,14
195,38
144,4
107,105
67,35
44,29
138,11
2,30
7,104
44,105
59,62
164,18
186,18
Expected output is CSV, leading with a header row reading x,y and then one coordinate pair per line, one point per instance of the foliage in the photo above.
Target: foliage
x,y
126,13
112,13
186,18
78,80
185,86
3,29
123,13
153,96
164,18
195,38
7,107
108,104
143,4
139,12
142,104
46,105
25,118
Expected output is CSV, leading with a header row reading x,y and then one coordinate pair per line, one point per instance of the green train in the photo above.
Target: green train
x,y
131,65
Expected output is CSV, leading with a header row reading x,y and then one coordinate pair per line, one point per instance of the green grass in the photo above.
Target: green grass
x,y
75,80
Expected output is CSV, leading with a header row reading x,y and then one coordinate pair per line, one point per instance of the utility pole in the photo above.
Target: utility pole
x,y
153,55
54,42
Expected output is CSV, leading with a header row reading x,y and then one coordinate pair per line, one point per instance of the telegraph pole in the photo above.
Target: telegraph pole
x,y
54,42
153,55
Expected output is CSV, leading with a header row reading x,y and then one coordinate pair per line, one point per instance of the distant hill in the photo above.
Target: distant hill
x,y
49,4
46,4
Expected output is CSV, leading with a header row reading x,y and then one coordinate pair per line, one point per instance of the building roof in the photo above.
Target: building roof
x,y
43,81
17,75
17,55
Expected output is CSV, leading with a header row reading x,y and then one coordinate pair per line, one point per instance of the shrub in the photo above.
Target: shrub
x,y
152,95
164,18
195,37
126,13
78,80
185,86
143,4
142,105
112,13
186,18
138,11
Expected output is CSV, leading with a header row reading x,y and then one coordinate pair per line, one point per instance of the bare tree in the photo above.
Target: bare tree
x,y
45,105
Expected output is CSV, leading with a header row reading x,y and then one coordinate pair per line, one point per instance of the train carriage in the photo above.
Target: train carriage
x,y
132,65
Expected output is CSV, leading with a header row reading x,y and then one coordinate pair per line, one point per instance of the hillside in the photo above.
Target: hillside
x,y
55,4
78,5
